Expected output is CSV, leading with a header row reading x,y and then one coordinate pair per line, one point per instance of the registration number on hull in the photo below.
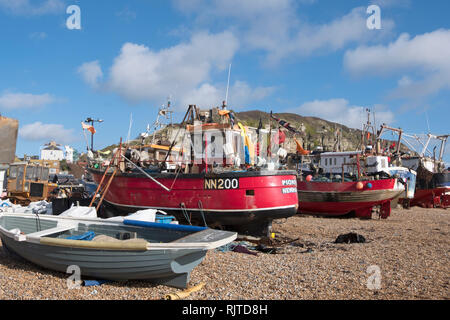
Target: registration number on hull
x,y
221,184
289,190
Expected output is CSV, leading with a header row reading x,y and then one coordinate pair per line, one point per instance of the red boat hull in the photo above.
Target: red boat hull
x,y
431,198
342,198
242,201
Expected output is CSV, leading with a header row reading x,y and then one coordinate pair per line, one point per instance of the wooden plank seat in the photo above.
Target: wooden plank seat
x,y
47,232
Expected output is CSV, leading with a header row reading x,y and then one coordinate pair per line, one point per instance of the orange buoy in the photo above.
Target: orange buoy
x,y
309,178
359,185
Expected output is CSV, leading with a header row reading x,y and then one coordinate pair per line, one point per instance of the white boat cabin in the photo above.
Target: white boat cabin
x,y
376,163
413,163
335,162
339,162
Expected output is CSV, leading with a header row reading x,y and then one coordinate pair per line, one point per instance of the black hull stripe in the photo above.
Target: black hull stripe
x,y
376,195
197,209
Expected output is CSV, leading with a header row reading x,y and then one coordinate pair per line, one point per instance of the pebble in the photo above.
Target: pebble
x,y
411,256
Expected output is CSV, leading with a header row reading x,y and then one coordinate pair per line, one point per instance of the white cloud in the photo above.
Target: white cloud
x,y
183,71
38,35
340,111
426,54
140,73
91,73
339,33
39,131
240,95
404,81
233,8
274,27
25,100
205,95
27,7
391,3
265,25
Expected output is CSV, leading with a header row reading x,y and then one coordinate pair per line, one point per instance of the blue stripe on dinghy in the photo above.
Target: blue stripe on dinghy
x,y
89,283
168,226
88,236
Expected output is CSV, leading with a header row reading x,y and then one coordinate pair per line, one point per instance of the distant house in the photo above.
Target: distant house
x,y
69,154
52,152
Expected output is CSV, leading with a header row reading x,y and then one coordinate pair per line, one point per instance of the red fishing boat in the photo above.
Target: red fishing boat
x,y
351,186
341,198
203,187
344,183
243,201
433,179
432,187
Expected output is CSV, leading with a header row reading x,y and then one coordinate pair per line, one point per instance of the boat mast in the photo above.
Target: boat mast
x,y
443,144
190,112
399,131
165,112
366,136
425,146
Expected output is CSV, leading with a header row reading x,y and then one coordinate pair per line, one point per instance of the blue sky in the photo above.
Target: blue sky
x,y
312,57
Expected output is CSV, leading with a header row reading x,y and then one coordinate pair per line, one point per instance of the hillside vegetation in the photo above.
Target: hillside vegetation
x,y
315,132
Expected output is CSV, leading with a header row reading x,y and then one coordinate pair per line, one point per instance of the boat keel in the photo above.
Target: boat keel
x,y
179,281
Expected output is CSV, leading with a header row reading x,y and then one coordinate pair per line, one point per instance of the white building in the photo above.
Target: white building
x,y
52,152
69,154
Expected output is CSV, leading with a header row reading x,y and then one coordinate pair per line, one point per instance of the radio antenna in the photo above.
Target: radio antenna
x,y
228,84
428,123
129,128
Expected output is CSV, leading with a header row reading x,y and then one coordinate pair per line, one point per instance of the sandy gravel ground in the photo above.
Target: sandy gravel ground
x,y
410,250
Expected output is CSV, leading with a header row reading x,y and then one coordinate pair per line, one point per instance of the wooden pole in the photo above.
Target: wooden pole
x,y
106,189
206,153
358,165
104,174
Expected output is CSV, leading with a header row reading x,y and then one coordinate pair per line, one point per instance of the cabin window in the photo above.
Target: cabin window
x,y
30,172
45,174
13,172
326,161
334,161
37,173
20,171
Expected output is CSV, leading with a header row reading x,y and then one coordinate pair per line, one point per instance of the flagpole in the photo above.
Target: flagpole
x,y
85,138
90,120
92,137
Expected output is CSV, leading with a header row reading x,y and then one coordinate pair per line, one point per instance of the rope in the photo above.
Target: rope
x,y
176,177
154,180
38,222
185,214
200,205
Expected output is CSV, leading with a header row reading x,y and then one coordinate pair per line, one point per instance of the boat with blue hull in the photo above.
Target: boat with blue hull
x,y
110,249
